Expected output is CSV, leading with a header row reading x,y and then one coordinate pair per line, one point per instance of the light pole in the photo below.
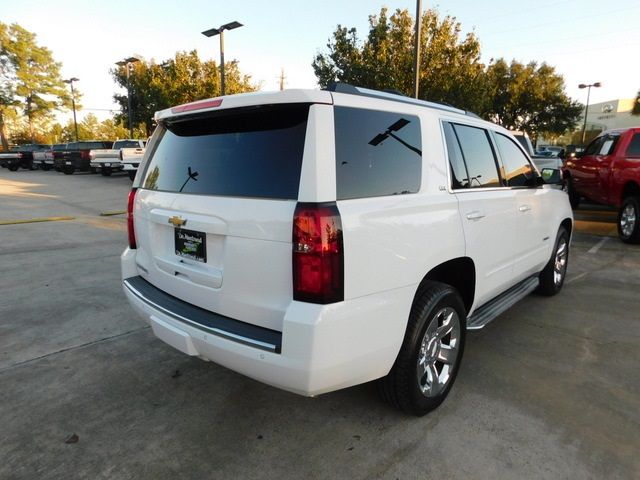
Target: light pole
x,y
73,102
586,110
220,31
416,68
127,62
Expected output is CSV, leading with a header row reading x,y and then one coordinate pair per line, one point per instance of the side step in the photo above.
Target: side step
x,y
501,303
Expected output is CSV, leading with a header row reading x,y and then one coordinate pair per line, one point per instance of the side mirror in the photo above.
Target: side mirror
x,y
551,176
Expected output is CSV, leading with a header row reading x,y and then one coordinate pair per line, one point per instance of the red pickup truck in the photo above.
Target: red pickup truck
x,y
608,172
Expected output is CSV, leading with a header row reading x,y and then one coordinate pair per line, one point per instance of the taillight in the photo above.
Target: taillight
x,y
84,155
318,253
130,230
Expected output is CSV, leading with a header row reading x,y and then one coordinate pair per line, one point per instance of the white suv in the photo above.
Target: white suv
x,y
315,240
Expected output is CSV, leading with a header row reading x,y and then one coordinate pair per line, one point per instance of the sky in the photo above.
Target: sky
x,y
586,41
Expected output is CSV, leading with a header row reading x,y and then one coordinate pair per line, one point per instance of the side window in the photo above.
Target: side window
x,y
478,156
517,168
594,147
377,153
459,174
633,150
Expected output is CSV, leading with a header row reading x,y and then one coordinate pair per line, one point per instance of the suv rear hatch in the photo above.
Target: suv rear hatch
x,y
214,211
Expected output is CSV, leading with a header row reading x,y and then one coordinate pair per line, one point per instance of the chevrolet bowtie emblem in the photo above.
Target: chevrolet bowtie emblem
x,y
177,221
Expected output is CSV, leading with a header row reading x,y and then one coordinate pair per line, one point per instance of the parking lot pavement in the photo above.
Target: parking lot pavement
x,y
551,389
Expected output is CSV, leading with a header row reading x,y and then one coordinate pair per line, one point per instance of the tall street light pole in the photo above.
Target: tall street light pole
x,y
220,31
586,110
73,102
127,62
416,67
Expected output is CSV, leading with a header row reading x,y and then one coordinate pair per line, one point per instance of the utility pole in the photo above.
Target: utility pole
x,y
73,102
416,68
127,62
282,79
586,110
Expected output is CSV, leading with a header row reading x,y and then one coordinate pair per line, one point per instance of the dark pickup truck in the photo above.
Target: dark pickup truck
x,y
21,156
608,172
76,156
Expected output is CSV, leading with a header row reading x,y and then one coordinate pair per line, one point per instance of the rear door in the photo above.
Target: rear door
x,y
215,207
603,160
487,208
585,169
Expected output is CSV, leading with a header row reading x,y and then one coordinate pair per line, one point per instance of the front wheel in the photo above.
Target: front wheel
x,y
553,274
629,220
430,356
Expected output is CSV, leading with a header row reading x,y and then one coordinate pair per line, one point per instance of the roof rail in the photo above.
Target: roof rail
x,y
393,95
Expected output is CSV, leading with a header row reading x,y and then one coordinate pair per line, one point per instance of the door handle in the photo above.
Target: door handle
x,y
524,208
475,215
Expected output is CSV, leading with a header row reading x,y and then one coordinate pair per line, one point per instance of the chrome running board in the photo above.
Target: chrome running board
x,y
487,312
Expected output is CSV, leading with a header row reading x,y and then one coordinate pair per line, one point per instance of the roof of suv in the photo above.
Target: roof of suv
x,y
297,96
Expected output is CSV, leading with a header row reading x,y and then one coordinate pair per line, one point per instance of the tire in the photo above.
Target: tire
x,y
93,170
45,168
574,197
437,319
132,175
105,172
13,168
629,220
555,271
68,170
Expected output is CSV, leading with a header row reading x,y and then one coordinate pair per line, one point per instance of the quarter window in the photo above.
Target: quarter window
x,y
478,156
377,153
517,168
459,174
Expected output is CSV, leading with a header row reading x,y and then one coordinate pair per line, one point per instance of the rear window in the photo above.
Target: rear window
x,y
93,145
126,144
633,150
249,152
377,153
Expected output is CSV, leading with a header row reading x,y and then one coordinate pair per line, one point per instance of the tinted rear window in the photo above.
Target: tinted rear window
x,y
93,145
377,153
126,144
633,150
250,152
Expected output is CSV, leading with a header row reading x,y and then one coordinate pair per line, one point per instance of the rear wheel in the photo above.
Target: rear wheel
x,y
429,359
553,274
13,168
68,170
132,175
574,197
629,220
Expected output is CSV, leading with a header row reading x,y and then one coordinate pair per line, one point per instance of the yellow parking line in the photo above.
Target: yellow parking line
x,y
114,212
35,220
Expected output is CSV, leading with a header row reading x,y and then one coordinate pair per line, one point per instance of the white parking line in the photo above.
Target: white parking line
x,y
598,245
577,277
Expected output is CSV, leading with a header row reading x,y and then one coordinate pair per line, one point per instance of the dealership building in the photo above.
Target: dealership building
x,y
611,114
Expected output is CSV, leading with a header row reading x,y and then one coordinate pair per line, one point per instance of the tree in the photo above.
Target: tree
x,y
636,105
30,74
450,67
182,79
529,98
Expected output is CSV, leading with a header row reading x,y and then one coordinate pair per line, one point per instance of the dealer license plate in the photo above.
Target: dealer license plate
x,y
191,244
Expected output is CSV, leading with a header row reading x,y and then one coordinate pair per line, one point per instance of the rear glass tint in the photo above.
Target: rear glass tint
x,y
126,144
249,152
633,150
377,153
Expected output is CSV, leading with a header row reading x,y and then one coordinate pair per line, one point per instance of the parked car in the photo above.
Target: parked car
x,y
76,156
608,172
21,156
43,159
315,240
107,161
549,150
541,161
131,158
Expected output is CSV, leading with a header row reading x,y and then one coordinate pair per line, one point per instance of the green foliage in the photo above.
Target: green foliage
x,y
636,105
523,97
182,79
529,98
30,76
450,67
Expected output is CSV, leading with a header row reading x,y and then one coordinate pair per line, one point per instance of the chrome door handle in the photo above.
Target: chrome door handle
x,y
524,208
475,215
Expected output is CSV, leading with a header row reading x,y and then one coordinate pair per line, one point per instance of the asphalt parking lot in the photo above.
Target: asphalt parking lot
x,y
551,389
